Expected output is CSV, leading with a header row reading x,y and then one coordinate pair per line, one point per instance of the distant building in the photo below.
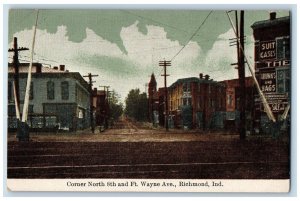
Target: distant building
x,y
197,103
156,103
272,67
57,98
101,108
153,100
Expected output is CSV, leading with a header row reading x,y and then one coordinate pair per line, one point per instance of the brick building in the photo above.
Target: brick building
x,y
101,107
57,98
156,103
272,67
197,103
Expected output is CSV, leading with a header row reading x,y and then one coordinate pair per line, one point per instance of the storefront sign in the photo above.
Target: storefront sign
x,y
267,50
273,64
277,102
268,82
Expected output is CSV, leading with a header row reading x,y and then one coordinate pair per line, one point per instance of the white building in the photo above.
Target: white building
x,y
58,98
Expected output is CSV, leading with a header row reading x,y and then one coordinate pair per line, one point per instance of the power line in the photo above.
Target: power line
x,y
193,35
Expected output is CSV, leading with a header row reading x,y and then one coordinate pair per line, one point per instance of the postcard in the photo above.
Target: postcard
x,y
149,100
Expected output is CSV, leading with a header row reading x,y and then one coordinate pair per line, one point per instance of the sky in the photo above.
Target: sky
x,y
124,47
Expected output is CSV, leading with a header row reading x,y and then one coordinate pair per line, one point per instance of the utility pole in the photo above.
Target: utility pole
x,y
107,107
246,60
239,42
241,72
91,100
16,50
165,64
106,91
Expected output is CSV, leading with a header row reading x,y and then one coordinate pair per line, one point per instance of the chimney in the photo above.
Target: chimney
x,y
272,15
55,68
201,76
206,77
62,67
95,91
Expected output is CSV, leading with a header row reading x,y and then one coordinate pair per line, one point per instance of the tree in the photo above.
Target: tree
x,y
115,105
136,105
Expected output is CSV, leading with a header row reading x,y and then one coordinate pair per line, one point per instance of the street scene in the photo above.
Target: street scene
x,y
148,94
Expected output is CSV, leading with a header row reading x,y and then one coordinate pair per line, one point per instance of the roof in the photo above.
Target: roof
x,y
47,72
23,68
269,23
152,80
193,79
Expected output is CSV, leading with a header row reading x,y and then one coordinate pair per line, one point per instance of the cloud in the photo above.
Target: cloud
x,y
132,70
217,62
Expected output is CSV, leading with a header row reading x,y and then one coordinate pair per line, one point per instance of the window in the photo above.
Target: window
x,y
30,109
9,91
50,90
65,90
31,91
184,101
209,89
229,100
186,86
283,48
189,101
11,111
283,80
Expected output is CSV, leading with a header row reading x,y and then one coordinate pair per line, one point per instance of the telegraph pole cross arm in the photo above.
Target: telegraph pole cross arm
x,y
164,64
90,76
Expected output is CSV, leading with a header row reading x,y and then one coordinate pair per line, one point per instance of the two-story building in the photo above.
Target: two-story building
x,y
197,103
58,98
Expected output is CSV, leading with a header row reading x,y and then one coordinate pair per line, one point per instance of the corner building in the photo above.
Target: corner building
x,y
272,69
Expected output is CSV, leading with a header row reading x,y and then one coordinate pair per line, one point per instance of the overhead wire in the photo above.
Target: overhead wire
x,y
192,36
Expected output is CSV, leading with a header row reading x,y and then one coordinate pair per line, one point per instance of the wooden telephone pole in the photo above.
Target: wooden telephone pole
x,y
241,72
91,100
239,42
165,64
16,50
